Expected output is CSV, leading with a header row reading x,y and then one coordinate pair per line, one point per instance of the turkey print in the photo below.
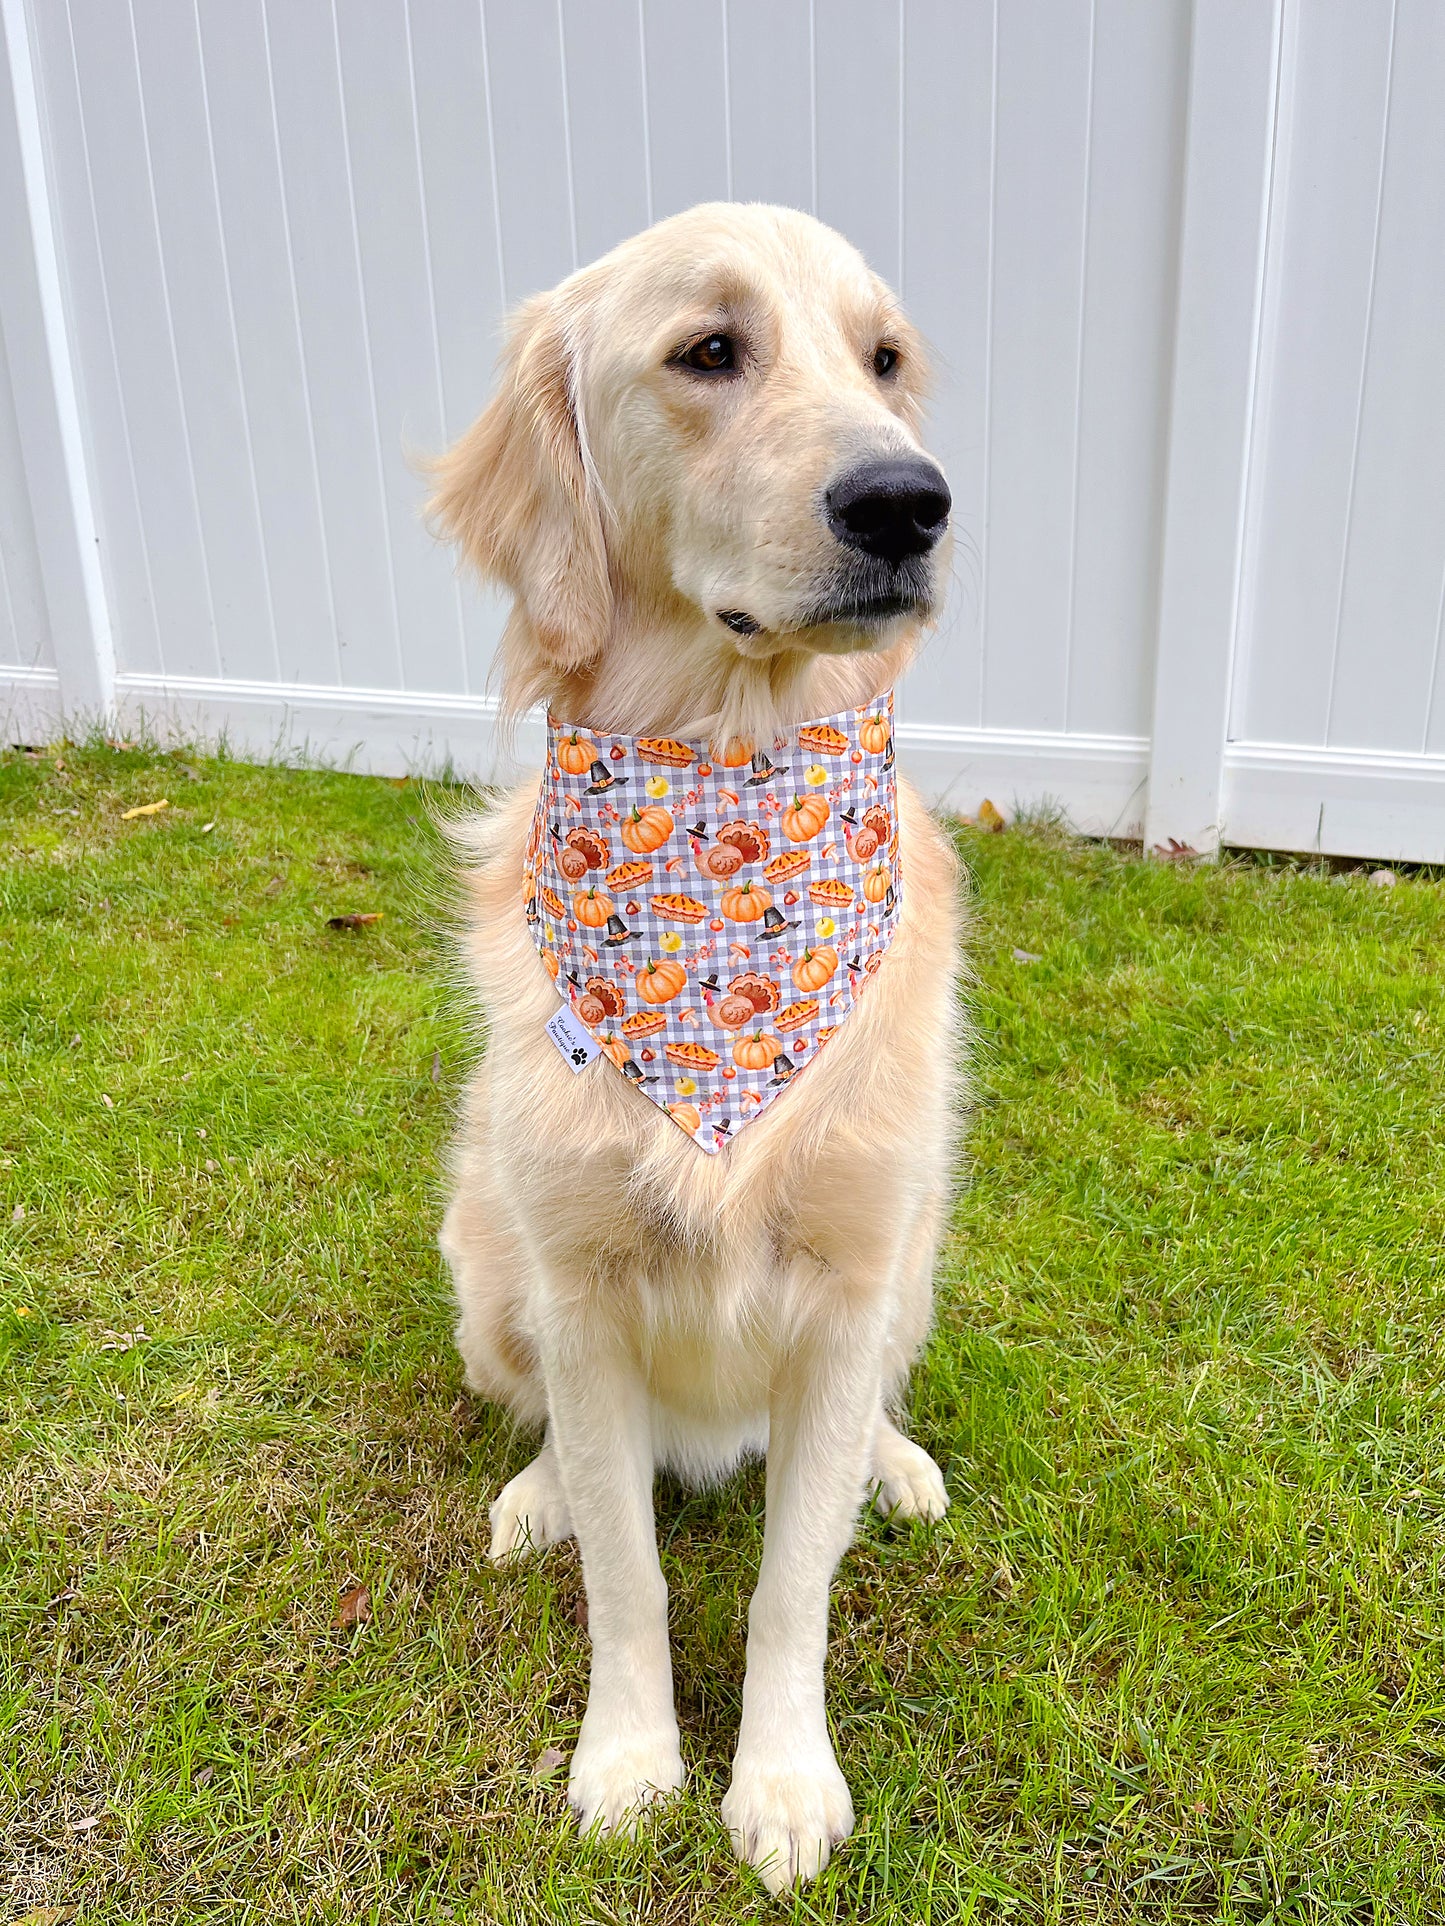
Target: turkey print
x,y
713,914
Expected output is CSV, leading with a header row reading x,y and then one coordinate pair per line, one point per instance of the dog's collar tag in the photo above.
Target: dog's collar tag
x,y
710,916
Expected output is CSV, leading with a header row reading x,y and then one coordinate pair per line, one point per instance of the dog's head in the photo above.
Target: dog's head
x,y
713,429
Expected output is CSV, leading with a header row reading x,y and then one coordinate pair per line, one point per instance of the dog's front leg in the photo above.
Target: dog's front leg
x,y
788,1804
627,1753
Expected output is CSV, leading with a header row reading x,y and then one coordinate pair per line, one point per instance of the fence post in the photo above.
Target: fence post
x,y
1234,64
47,406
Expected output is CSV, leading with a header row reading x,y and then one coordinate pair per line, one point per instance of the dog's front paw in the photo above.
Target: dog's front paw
x,y
614,1779
530,1512
907,1483
786,1816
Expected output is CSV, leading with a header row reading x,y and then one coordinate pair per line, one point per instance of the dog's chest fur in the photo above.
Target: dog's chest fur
x,y
708,1267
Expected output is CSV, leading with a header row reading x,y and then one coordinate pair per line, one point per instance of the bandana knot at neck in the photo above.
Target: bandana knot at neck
x,y
711,915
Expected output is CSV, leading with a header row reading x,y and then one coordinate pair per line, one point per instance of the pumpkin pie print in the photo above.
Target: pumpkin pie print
x,y
713,911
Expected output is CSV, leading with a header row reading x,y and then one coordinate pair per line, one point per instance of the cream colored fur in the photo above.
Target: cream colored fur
x,y
645,1302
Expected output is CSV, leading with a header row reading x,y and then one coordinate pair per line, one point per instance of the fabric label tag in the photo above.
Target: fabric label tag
x,y
575,1041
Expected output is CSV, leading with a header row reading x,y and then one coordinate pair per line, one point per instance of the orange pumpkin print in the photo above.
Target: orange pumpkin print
x,y
757,1052
575,754
591,908
736,752
746,903
615,1050
660,982
814,967
550,964
803,818
646,829
874,735
876,881
687,1114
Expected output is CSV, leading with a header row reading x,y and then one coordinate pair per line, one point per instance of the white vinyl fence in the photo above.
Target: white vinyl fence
x,y
1183,267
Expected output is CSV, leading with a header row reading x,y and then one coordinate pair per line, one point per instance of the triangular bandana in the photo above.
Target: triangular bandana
x,y
712,914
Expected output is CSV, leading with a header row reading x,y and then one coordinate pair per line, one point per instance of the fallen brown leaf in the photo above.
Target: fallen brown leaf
x,y
356,920
46,1916
548,1762
989,816
144,809
436,1066
354,1608
1174,851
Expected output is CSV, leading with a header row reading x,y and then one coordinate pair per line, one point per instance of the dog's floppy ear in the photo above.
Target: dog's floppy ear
x,y
514,494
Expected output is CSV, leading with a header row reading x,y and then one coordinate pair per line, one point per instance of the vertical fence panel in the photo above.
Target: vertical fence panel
x,y
1227,171
1045,82
688,139
279,439
60,655
771,86
354,454
143,336
947,234
606,131
175,144
1131,253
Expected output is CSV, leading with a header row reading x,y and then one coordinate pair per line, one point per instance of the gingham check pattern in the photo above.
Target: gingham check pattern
x,y
701,798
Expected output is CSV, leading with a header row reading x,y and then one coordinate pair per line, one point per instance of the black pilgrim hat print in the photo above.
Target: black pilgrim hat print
x,y
602,779
774,922
699,829
888,752
633,1072
784,1070
618,932
763,769
709,982
890,901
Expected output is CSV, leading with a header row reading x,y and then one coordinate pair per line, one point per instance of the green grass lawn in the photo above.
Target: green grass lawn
x,y
1178,1652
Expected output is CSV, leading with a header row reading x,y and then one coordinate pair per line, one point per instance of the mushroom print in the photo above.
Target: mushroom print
x,y
712,911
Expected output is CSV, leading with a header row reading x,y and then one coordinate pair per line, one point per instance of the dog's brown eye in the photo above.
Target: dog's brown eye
x,y
885,360
714,354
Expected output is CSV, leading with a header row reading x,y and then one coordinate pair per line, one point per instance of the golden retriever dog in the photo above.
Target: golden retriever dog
x,y
701,480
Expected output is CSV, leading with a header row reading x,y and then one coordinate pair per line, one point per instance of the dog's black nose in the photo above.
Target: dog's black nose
x,y
893,508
